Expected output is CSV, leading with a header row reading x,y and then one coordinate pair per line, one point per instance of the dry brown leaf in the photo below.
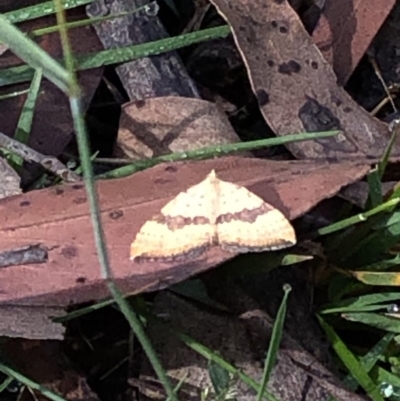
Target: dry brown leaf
x,y
58,219
234,340
159,126
295,86
345,31
33,322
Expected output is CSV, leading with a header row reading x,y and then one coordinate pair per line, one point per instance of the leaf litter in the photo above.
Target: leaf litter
x,y
299,93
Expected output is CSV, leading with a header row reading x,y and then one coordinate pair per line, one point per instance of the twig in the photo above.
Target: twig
x,y
50,163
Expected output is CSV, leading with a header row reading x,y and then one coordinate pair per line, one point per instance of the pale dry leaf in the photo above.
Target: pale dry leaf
x,y
164,125
9,180
33,322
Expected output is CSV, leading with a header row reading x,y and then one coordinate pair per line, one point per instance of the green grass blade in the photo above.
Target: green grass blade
x,y
351,362
389,379
82,22
25,122
30,383
7,381
377,278
212,151
124,54
202,350
32,54
369,360
387,323
24,73
360,303
210,355
387,221
276,337
375,197
359,218
383,265
219,377
40,10
13,94
76,106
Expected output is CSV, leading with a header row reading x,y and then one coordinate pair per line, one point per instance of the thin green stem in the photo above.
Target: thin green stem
x,y
211,151
275,340
30,383
83,145
204,351
359,218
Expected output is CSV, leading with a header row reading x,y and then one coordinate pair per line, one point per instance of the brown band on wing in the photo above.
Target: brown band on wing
x,y
191,253
235,247
178,222
246,215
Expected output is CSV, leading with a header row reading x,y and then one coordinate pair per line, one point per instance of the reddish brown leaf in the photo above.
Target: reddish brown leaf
x,y
345,31
58,219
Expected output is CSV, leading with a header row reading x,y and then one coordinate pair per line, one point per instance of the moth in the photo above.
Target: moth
x,y
212,213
